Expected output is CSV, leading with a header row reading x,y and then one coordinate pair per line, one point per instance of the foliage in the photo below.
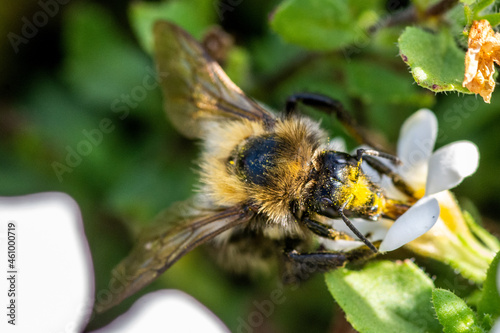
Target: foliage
x,y
385,297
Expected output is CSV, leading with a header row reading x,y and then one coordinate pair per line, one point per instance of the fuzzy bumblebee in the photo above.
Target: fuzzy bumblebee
x,y
266,181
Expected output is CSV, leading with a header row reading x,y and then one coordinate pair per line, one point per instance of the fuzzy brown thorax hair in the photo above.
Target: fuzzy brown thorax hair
x,y
295,141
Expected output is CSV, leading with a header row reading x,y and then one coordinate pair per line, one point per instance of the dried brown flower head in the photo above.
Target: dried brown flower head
x,y
484,49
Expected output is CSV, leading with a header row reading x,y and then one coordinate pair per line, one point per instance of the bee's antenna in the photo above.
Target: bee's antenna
x,y
349,223
357,233
371,152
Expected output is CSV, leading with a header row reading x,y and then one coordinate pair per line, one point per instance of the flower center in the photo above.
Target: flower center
x,y
419,193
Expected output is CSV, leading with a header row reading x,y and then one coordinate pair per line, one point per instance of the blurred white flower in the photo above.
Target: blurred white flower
x,y
53,283
166,311
56,278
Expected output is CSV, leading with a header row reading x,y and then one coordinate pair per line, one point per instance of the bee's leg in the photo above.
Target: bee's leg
x,y
300,266
396,179
324,230
381,168
371,152
330,106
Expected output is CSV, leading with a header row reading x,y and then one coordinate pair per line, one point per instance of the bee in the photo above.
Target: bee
x,y
267,181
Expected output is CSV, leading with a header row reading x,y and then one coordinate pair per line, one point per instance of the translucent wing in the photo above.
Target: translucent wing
x,y
178,230
195,87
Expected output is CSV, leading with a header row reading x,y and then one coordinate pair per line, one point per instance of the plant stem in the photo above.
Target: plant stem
x,y
412,15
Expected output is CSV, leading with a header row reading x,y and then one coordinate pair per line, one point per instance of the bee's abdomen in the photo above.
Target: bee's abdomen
x,y
256,158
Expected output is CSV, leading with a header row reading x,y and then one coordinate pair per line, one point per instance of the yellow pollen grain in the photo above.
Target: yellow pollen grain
x,y
361,192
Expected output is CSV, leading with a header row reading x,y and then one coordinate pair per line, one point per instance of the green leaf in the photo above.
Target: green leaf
x,y
481,5
490,298
469,14
192,15
458,18
100,63
385,297
237,67
435,60
488,239
494,19
422,5
325,24
375,84
453,313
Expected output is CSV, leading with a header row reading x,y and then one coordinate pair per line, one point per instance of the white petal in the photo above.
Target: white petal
x,y
375,229
54,289
415,145
450,164
496,327
412,224
340,245
166,311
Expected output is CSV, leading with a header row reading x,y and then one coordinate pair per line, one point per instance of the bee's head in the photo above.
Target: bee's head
x,y
339,179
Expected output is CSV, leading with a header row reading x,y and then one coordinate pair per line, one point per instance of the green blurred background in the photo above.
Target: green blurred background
x,y
84,61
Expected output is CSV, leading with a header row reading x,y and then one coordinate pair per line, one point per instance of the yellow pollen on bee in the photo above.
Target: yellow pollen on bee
x,y
359,193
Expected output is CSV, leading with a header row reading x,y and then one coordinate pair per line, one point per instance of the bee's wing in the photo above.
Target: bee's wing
x,y
178,230
195,87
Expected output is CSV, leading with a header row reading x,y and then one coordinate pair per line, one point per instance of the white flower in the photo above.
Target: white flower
x,y
54,280
53,285
427,172
433,171
166,311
